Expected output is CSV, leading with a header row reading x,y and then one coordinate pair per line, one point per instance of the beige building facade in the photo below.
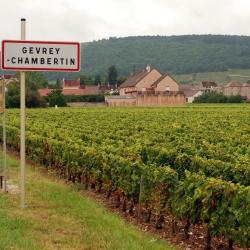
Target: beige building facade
x,y
140,82
149,80
149,88
166,83
236,88
146,82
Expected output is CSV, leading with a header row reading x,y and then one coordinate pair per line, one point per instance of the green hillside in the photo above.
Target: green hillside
x,y
242,75
175,54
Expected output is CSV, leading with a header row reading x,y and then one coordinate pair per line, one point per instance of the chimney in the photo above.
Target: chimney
x,y
133,71
148,68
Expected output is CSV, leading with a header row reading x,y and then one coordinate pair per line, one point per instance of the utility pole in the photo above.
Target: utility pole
x,y
22,123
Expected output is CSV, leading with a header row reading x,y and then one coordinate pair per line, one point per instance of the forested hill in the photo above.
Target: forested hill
x,y
174,54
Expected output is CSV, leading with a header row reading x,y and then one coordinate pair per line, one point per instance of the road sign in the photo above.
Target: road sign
x,y
1,94
40,56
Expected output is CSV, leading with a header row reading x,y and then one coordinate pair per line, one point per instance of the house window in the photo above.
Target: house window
x,y
167,88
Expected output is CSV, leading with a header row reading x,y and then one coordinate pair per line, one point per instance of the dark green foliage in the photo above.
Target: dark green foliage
x,y
97,79
56,98
58,83
112,75
193,162
214,97
85,98
121,79
173,54
35,80
235,99
33,100
203,180
85,80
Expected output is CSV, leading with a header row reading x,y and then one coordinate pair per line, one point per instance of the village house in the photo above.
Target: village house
x,y
236,88
191,94
166,84
140,82
207,86
148,88
73,87
191,91
149,80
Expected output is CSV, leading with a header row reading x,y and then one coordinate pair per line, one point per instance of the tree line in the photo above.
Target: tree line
x,y
172,54
214,97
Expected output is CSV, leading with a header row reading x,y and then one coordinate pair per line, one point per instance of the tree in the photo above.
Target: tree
x,y
13,95
112,75
58,83
235,99
36,79
97,79
121,79
85,79
33,99
214,97
55,97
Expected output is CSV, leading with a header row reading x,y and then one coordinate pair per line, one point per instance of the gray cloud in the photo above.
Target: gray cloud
x,y
81,20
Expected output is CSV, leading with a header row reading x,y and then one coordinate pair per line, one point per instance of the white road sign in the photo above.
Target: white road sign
x,y
40,56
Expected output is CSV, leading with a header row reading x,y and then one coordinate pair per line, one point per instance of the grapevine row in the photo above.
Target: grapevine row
x,y
223,206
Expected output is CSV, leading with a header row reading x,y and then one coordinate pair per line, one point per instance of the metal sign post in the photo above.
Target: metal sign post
x,y
4,141
23,55
22,123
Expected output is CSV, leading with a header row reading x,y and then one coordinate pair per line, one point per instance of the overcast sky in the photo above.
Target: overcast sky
x,y
87,20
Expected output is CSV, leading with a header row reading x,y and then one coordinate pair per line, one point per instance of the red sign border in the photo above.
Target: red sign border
x,y
41,69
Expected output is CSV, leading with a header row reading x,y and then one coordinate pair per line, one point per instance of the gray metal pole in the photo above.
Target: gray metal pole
x,y
4,140
22,123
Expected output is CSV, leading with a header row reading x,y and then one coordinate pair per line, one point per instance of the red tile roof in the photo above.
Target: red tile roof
x,y
71,83
134,79
234,83
44,92
7,77
184,87
91,90
88,90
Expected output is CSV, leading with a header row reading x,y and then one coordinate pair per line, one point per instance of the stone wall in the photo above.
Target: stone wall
x,y
86,104
119,102
147,100
160,100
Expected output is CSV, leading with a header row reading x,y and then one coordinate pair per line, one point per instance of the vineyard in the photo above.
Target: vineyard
x,y
192,163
